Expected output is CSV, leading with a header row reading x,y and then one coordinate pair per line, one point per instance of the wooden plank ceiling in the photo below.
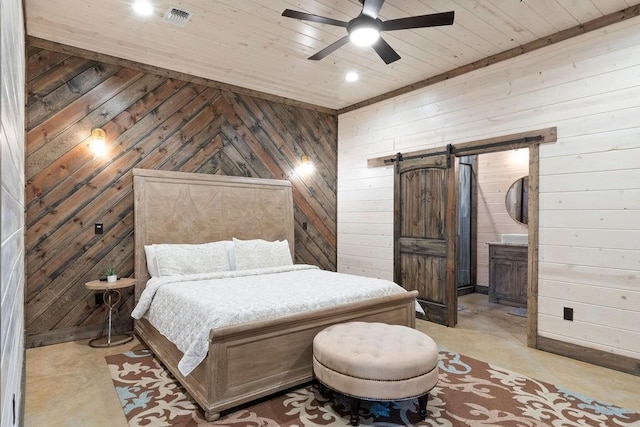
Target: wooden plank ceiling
x,y
248,43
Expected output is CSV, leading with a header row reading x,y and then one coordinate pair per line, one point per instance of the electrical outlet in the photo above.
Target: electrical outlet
x,y
99,298
98,228
568,314
304,225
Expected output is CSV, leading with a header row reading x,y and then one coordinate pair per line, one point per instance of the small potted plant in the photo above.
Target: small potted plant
x,y
112,276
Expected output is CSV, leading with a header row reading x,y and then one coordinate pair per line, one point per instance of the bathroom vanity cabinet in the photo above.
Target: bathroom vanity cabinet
x,y
508,274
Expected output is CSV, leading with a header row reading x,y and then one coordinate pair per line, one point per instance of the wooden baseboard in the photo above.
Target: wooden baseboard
x,y
482,289
74,334
590,355
466,290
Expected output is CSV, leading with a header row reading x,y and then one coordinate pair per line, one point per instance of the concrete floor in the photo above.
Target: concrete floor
x,y
487,332
69,384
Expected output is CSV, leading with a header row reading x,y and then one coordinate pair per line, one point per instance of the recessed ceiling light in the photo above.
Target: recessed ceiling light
x,y
351,76
142,7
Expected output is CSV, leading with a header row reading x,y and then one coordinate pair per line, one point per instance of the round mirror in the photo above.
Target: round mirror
x,y
517,200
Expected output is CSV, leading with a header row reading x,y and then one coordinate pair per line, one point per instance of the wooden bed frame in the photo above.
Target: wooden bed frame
x,y
178,207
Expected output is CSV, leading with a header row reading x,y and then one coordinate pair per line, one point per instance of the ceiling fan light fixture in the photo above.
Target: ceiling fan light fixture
x,y
364,30
364,36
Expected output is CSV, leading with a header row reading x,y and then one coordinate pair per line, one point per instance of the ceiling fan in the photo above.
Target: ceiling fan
x,y
364,30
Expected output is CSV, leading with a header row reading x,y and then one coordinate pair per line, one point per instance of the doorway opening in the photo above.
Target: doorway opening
x,y
426,187
493,242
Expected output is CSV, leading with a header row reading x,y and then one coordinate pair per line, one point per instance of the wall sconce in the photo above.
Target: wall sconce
x,y
98,142
306,167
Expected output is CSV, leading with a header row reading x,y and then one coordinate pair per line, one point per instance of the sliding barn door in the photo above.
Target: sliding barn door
x,y
426,232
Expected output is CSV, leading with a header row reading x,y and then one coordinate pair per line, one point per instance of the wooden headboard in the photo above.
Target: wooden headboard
x,y
180,207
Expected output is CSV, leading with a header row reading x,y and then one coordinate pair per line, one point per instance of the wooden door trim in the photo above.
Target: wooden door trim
x,y
481,146
502,143
532,257
451,293
397,230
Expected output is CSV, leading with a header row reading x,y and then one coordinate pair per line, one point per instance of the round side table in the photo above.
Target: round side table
x,y
111,298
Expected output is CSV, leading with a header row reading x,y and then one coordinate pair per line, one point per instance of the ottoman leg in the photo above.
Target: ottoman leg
x,y
422,405
355,407
324,391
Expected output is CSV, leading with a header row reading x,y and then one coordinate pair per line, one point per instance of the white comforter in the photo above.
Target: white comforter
x,y
185,308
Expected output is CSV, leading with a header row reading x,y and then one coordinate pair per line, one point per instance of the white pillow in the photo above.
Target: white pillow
x,y
152,262
260,253
180,259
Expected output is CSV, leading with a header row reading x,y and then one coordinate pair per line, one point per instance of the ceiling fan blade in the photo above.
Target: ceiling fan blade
x,y
385,51
372,7
313,18
433,20
330,49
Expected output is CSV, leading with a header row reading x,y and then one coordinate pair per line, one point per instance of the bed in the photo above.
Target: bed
x,y
186,208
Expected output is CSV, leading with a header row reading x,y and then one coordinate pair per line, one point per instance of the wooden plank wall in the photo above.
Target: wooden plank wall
x,y
496,173
589,223
152,122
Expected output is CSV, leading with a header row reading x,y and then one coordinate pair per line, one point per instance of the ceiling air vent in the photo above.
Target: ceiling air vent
x,y
176,16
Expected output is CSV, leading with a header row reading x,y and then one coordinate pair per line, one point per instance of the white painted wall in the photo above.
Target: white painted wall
x,y
12,71
496,172
589,87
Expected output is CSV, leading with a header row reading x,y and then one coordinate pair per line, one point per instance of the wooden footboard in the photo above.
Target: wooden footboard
x,y
252,360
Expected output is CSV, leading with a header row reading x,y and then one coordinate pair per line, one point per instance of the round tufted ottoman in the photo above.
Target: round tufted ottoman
x,y
376,361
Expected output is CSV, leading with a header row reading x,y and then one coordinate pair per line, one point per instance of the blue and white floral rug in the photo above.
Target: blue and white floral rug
x,y
469,393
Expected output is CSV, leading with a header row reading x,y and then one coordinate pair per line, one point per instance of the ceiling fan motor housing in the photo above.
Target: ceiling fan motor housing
x,y
364,21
